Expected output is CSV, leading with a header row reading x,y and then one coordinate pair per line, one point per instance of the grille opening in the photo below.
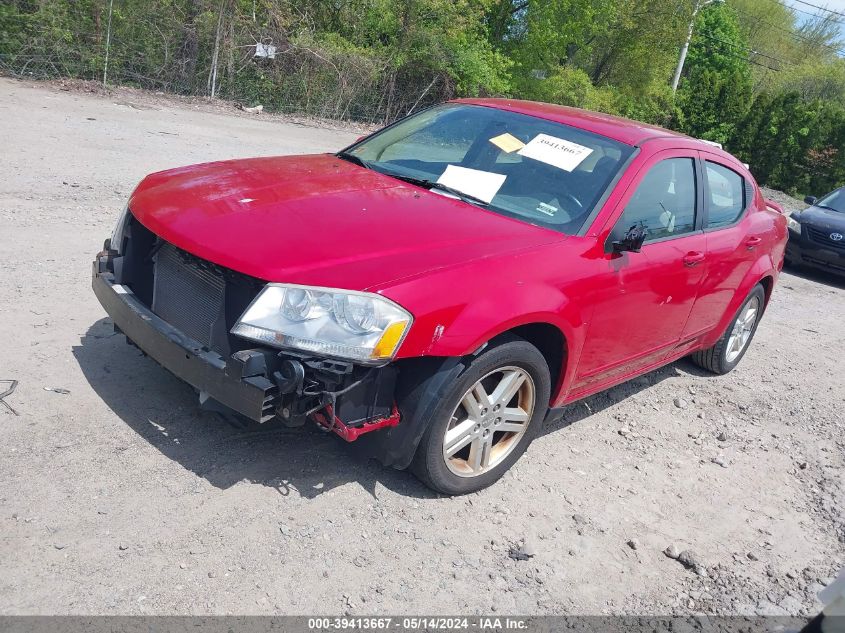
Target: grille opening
x,y
197,297
823,237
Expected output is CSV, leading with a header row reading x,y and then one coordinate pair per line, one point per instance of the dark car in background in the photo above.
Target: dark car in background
x,y
817,234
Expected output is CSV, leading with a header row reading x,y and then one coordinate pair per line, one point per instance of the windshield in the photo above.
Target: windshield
x,y
834,201
538,171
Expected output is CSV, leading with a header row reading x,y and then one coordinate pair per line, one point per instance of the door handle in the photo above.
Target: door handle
x,y
751,242
693,258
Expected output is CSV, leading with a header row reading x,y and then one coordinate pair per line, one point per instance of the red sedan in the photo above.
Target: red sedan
x,y
439,288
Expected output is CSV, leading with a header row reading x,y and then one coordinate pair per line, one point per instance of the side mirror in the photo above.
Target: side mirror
x,y
811,200
632,241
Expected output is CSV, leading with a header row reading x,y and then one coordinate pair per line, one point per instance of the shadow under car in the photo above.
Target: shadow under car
x,y
226,449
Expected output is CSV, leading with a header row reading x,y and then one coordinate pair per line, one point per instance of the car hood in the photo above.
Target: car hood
x,y
320,220
823,218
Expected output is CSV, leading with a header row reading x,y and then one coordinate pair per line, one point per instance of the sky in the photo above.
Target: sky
x,y
833,5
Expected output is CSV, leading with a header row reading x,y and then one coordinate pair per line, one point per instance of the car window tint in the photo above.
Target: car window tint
x,y
726,191
664,201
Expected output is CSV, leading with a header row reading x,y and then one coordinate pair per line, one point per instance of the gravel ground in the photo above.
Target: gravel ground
x,y
789,204
120,497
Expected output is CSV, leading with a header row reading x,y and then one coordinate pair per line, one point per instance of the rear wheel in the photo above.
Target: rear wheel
x,y
486,420
729,350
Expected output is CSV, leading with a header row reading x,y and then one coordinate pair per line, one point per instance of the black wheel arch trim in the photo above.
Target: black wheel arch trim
x,y
420,385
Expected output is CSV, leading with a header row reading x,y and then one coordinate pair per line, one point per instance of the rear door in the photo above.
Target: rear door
x,y
642,300
734,237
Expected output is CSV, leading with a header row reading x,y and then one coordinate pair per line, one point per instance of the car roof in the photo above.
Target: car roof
x,y
617,128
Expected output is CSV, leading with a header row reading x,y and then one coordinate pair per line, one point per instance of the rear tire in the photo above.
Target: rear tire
x,y
731,347
482,424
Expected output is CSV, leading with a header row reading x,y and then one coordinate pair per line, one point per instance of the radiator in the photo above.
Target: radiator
x,y
187,295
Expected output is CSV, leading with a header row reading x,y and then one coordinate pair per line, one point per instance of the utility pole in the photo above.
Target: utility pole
x,y
108,44
699,5
215,57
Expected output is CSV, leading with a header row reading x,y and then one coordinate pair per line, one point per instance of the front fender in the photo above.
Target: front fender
x,y
456,311
471,321
481,321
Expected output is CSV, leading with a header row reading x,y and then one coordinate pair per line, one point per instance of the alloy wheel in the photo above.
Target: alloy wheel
x,y
742,329
489,421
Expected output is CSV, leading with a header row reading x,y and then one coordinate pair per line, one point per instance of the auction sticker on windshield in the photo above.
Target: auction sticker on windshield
x,y
474,182
555,151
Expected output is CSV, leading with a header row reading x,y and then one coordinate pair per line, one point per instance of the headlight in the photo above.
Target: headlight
x,y
117,235
357,326
793,224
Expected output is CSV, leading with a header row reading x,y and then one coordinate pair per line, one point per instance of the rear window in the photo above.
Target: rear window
x,y
726,190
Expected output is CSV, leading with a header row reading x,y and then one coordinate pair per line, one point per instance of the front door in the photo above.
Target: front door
x,y
642,300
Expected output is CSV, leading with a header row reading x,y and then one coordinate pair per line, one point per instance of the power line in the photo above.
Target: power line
x,y
751,61
747,49
792,33
743,57
804,11
838,21
815,6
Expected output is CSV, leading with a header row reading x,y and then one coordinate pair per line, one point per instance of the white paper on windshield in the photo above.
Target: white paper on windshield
x,y
480,184
554,151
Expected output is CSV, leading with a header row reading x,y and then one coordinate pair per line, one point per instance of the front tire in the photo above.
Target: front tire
x,y
485,420
731,347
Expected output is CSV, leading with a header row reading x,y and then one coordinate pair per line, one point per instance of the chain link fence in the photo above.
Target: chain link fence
x,y
215,48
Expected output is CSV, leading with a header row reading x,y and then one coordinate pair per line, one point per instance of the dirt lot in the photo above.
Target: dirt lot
x,y
121,497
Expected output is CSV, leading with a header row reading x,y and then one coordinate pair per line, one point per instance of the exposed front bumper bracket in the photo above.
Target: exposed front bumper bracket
x,y
252,396
352,433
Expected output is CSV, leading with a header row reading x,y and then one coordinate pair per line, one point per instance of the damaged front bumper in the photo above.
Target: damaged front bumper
x,y
258,383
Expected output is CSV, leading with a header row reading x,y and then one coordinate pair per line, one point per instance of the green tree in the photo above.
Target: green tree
x,y
767,83
716,90
792,144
